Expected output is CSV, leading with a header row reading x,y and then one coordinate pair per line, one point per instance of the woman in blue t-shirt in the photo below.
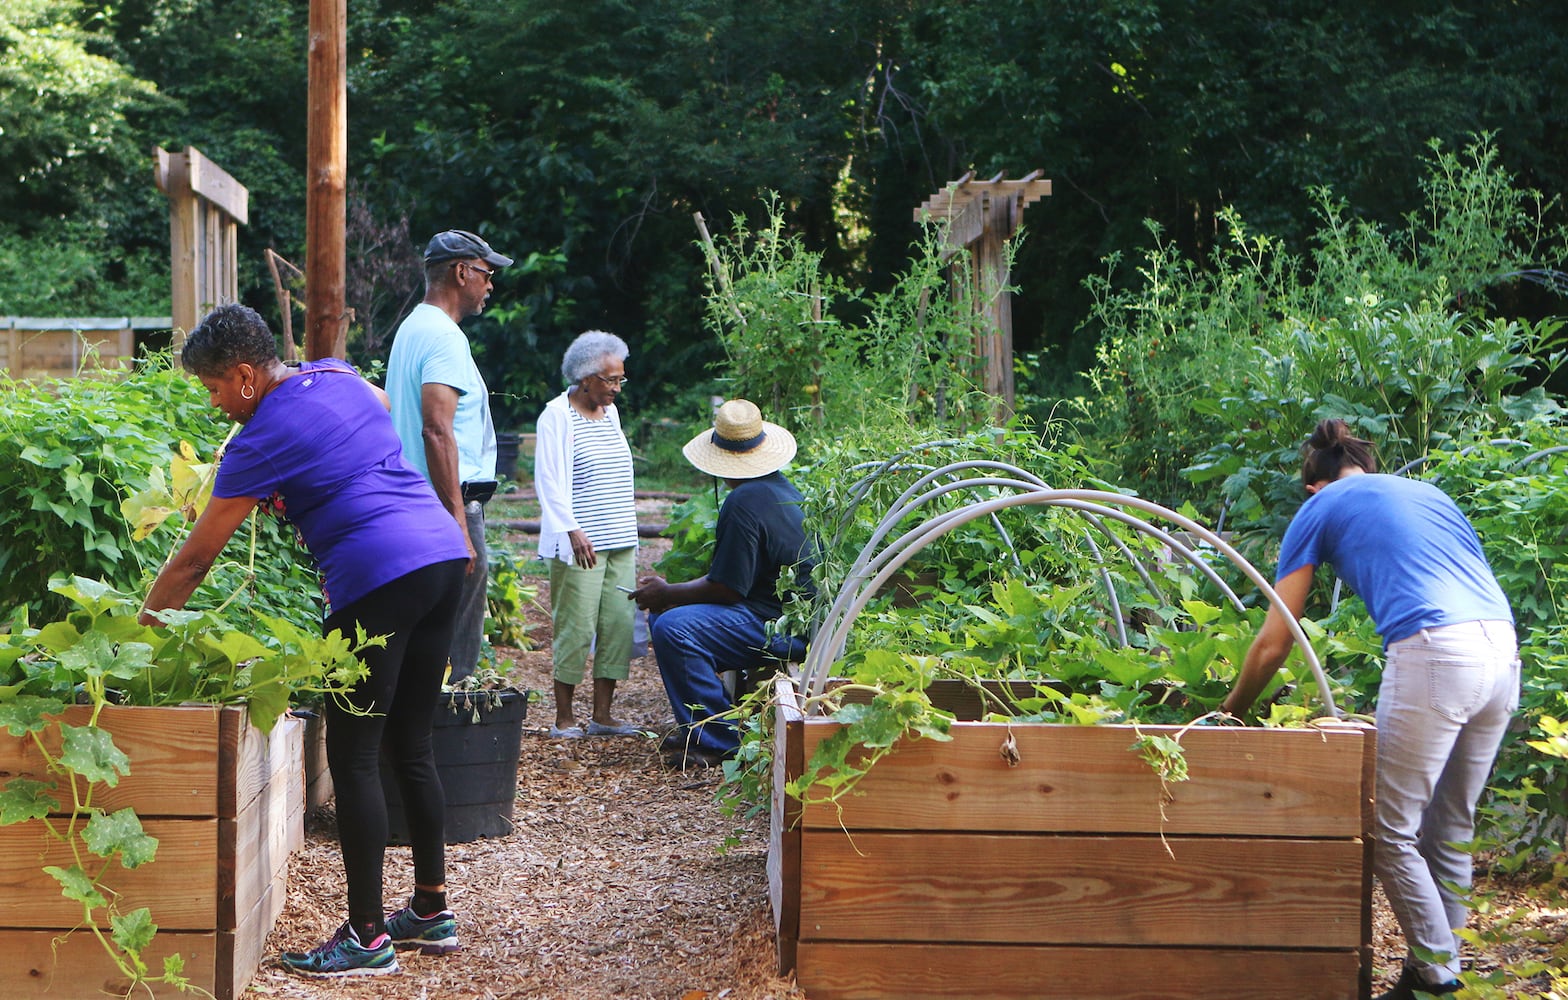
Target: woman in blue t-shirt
x,y
319,437
1450,678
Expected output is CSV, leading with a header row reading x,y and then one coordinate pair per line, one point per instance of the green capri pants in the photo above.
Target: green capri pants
x,y
589,615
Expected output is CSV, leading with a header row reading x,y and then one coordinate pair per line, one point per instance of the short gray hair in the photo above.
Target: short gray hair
x,y
587,353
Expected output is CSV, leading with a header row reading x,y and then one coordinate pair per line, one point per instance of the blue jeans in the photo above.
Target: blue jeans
x,y
693,644
1446,698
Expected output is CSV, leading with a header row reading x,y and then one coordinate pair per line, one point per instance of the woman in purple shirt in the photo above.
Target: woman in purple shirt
x,y
319,436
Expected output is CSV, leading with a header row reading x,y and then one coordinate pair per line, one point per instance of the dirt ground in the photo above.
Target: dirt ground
x,y
614,884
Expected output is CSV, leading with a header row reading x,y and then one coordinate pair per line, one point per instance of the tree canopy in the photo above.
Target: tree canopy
x,y
582,137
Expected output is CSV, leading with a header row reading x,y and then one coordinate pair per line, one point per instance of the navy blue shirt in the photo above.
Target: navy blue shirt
x,y
761,530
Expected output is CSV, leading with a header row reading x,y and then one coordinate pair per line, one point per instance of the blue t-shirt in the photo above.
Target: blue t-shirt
x,y
1402,545
760,531
430,348
323,440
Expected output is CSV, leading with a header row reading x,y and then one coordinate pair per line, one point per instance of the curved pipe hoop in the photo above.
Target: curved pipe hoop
x,y
846,608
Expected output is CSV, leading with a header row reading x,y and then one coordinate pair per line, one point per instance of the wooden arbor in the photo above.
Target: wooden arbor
x,y
206,207
981,216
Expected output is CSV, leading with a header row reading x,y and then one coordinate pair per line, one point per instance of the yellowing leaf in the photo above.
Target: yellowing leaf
x,y
147,520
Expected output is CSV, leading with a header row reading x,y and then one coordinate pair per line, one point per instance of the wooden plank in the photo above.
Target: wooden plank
x,y
1265,782
1368,809
255,845
784,823
179,886
242,950
845,971
42,965
259,759
173,753
318,776
174,172
1209,891
77,323
213,183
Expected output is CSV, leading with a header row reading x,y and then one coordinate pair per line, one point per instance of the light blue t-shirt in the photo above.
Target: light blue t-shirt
x,y
430,348
1403,546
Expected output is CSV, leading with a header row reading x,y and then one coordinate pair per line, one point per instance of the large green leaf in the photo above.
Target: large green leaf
x,y
120,832
91,753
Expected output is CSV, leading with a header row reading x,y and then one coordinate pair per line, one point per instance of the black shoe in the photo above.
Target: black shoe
x,y
677,740
694,757
1412,986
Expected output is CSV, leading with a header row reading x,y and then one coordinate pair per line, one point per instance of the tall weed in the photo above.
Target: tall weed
x,y
1210,372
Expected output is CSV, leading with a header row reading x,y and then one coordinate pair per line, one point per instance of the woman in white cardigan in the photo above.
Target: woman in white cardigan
x,y
588,531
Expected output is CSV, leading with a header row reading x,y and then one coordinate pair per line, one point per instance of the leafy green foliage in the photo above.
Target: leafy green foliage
x,y
100,653
1215,372
65,117
795,346
87,275
506,595
73,450
100,648
690,530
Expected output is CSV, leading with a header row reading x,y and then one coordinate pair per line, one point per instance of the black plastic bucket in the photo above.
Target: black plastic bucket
x,y
506,455
477,761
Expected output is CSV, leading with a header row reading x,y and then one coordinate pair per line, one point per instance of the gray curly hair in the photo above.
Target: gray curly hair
x,y
586,354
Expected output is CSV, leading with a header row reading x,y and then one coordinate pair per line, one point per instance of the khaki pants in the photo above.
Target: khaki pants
x,y
590,616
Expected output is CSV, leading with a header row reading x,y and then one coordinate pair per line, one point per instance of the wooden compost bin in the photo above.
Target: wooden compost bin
x,y
227,806
950,873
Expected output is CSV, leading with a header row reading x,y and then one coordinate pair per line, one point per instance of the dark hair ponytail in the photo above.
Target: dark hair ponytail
x,y
1330,449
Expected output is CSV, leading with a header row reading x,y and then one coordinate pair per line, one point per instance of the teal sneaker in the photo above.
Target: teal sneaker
x,y
433,935
343,955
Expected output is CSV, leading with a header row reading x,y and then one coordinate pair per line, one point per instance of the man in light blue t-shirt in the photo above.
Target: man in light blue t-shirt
x,y
441,409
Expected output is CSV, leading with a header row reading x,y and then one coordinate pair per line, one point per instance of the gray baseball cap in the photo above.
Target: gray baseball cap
x,y
460,244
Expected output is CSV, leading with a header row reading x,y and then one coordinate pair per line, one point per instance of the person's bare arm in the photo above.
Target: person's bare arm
x,y
1271,645
656,594
438,415
185,570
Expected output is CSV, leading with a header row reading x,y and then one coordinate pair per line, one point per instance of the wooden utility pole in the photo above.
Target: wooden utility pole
x,y
326,153
982,216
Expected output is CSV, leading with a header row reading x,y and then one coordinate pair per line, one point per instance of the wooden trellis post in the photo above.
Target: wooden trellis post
x,y
206,208
981,216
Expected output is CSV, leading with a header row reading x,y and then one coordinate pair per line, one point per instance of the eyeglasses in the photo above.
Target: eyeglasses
x,y
614,380
487,272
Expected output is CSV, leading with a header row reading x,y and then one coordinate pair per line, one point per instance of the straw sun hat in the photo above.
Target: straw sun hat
x,y
741,445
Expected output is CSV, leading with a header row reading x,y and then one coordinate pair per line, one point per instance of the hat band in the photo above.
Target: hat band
x,y
745,445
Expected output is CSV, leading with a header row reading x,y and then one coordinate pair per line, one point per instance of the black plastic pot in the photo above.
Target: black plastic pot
x,y
506,455
477,760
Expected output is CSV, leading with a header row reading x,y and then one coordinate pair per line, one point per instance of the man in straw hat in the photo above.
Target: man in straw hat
x,y
718,622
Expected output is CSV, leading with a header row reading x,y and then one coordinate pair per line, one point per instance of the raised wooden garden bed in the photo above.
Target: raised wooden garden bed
x,y
952,874
227,806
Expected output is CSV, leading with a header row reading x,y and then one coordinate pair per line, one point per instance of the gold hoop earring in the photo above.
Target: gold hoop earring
x,y
247,392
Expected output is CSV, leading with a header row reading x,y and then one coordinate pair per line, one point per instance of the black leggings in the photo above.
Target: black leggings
x,y
415,612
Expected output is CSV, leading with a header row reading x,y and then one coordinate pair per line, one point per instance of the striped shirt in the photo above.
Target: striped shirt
x,y
602,497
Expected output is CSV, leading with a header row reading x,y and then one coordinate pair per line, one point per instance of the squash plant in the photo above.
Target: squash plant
x,y
1088,624
99,654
